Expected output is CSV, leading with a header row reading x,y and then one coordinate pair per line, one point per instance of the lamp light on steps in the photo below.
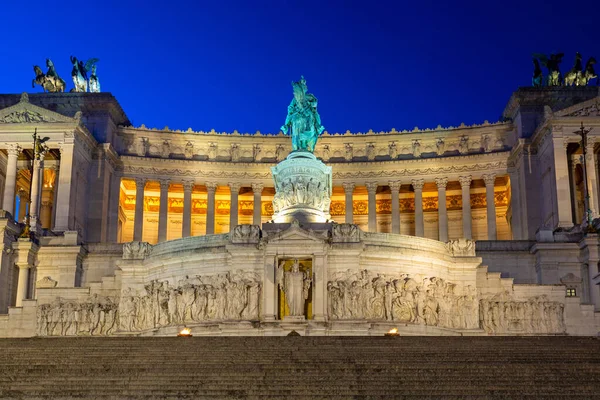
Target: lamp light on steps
x,y
185,332
392,332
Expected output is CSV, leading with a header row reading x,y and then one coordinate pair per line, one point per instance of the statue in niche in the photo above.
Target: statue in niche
x,y
280,153
393,150
189,150
440,146
50,81
348,152
235,152
212,151
326,152
295,284
303,119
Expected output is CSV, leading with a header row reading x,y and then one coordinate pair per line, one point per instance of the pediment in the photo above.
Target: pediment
x,y
296,233
589,108
26,113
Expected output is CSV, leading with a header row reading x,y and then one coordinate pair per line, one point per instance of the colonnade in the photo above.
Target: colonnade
x,y
417,185
188,186
41,196
349,189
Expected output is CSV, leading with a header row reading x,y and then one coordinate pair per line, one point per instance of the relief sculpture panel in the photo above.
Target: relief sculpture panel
x,y
501,314
404,298
229,296
95,316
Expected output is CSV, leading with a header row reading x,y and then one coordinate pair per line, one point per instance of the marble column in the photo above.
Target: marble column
x,y
113,234
186,226
163,215
138,221
63,197
395,189
11,178
465,184
372,191
36,193
515,205
591,165
417,185
22,283
490,201
234,189
257,189
211,188
563,187
349,190
442,209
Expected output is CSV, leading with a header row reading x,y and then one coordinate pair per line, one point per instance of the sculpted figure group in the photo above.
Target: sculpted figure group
x,y
95,316
226,296
51,82
301,191
576,76
403,298
501,314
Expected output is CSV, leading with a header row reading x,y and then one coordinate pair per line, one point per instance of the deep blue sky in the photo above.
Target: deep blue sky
x,y
228,64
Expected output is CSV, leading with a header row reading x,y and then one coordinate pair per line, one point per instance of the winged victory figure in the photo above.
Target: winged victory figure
x,y
79,73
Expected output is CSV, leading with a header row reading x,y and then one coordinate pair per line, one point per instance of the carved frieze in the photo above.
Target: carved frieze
x,y
345,233
229,296
401,297
136,250
500,314
244,234
94,316
461,247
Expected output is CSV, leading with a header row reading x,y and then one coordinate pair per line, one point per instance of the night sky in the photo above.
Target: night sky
x,y
228,65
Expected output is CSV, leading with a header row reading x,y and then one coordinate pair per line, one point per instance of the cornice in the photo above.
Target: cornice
x,y
462,129
157,168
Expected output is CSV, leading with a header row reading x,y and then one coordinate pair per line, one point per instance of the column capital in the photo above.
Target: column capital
x,y
441,183
489,179
371,187
417,184
234,187
164,184
188,185
211,187
465,180
395,186
140,182
348,187
257,188
13,149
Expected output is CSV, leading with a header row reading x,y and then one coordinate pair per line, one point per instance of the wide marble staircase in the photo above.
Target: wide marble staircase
x,y
300,367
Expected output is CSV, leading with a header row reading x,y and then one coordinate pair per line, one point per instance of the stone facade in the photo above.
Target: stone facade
x,y
467,229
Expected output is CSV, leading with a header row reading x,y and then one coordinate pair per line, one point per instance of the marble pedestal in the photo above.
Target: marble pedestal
x,y
303,189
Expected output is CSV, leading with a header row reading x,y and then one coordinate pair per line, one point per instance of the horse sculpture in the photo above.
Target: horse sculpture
x,y
553,66
50,81
574,75
79,73
588,74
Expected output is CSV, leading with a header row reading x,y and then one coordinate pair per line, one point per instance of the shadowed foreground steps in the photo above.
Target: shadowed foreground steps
x,y
300,367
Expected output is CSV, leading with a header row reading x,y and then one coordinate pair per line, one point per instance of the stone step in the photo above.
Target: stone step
x,y
302,368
